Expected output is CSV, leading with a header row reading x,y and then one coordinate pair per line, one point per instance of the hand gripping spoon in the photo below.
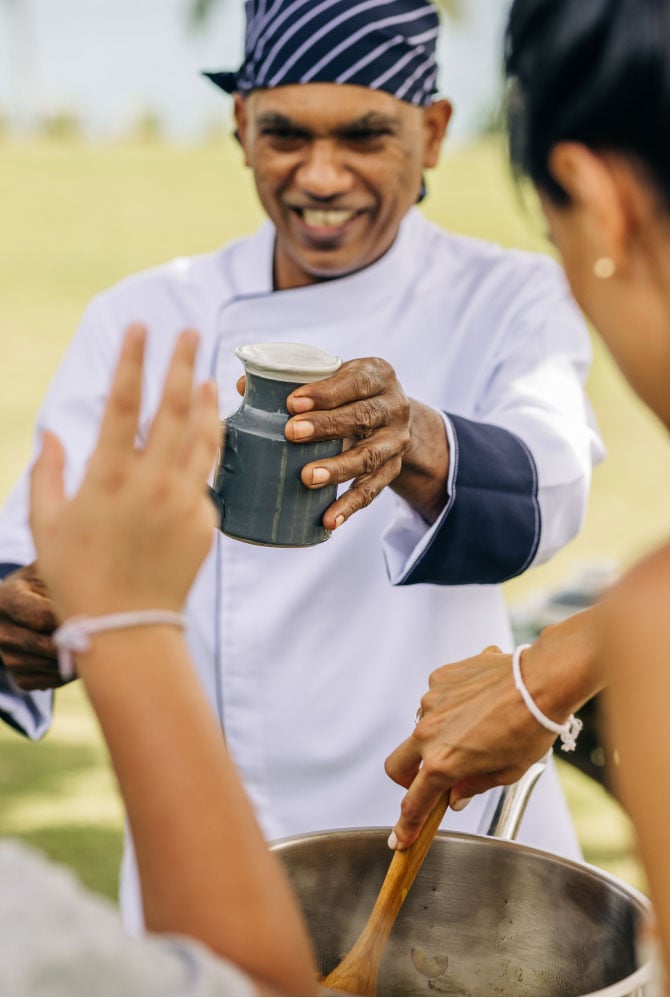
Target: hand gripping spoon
x,y
357,973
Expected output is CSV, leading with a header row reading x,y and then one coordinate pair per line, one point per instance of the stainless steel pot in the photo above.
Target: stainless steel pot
x,y
485,916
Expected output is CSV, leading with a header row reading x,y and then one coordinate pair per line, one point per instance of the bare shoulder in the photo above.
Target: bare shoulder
x,y
636,617
645,589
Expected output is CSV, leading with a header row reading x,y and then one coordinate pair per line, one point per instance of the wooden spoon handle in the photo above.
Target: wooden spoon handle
x,y
357,973
402,872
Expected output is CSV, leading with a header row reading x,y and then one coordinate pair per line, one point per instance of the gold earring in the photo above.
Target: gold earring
x,y
604,268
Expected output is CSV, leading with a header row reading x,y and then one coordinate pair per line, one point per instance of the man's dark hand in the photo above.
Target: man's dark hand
x,y
389,439
27,622
364,405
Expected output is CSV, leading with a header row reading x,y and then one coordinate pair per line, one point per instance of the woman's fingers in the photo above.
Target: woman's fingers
x,y
119,422
47,492
416,806
465,790
171,426
404,762
206,434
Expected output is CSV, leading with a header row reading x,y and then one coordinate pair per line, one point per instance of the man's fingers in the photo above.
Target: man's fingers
x,y
25,608
382,451
46,482
30,577
358,496
356,379
170,428
19,645
355,420
29,657
29,680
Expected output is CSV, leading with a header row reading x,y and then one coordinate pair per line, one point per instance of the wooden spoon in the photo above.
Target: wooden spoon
x,y
357,973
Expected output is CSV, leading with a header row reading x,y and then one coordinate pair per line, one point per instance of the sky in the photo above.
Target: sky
x,y
111,61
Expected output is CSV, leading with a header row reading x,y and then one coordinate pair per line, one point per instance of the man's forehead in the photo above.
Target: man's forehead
x,y
328,105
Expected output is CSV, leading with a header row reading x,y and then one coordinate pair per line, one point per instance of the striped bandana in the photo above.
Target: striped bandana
x,y
380,44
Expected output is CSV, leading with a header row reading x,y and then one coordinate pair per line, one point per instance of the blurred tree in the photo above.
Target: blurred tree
x,y
61,126
148,128
491,119
201,9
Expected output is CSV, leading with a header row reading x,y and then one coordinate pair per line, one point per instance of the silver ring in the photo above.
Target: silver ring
x,y
418,715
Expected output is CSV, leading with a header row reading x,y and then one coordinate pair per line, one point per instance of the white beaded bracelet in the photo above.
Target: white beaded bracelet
x,y
568,731
74,635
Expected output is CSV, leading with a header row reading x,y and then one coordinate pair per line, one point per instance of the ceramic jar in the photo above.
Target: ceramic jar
x,y
257,486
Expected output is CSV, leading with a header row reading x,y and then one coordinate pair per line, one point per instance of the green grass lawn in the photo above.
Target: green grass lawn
x,y
60,795
76,218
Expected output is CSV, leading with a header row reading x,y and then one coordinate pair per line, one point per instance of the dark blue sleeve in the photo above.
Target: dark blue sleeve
x,y
6,568
491,527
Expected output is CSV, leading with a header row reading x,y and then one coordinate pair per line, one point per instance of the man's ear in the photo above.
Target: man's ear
x,y
436,118
592,182
240,111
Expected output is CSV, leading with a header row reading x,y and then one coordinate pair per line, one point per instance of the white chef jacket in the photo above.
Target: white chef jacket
x,y
315,659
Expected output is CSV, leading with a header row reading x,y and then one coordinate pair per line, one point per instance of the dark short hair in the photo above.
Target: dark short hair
x,y
589,71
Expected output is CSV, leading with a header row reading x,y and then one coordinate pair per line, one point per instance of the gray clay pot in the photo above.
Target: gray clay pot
x,y
257,487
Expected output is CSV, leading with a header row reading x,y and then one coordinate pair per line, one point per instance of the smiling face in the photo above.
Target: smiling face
x,y
336,168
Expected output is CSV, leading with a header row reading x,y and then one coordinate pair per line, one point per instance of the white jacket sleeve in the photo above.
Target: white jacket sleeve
x,y
521,462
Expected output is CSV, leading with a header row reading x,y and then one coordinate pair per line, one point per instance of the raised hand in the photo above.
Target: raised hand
x,y
144,513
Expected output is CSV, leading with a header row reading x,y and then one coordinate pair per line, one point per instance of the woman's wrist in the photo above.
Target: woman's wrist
x,y
561,668
138,646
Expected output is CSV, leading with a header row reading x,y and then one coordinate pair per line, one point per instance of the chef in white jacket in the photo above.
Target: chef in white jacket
x,y
464,395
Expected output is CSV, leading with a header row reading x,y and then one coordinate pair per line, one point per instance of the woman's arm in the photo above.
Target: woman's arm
x,y
132,539
636,661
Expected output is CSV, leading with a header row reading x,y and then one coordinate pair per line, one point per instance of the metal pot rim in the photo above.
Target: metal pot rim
x,y
374,831
633,984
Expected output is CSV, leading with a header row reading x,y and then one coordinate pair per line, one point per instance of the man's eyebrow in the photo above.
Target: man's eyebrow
x,y
372,121
273,119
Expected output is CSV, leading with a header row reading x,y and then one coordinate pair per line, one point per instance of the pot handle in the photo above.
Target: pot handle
x,y
502,817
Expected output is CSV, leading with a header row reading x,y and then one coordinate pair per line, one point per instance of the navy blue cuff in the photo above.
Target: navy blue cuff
x,y
491,529
6,568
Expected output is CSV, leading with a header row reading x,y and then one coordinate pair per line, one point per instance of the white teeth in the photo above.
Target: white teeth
x,y
320,219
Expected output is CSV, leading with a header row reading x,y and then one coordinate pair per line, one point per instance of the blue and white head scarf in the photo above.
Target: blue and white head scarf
x,y
380,44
